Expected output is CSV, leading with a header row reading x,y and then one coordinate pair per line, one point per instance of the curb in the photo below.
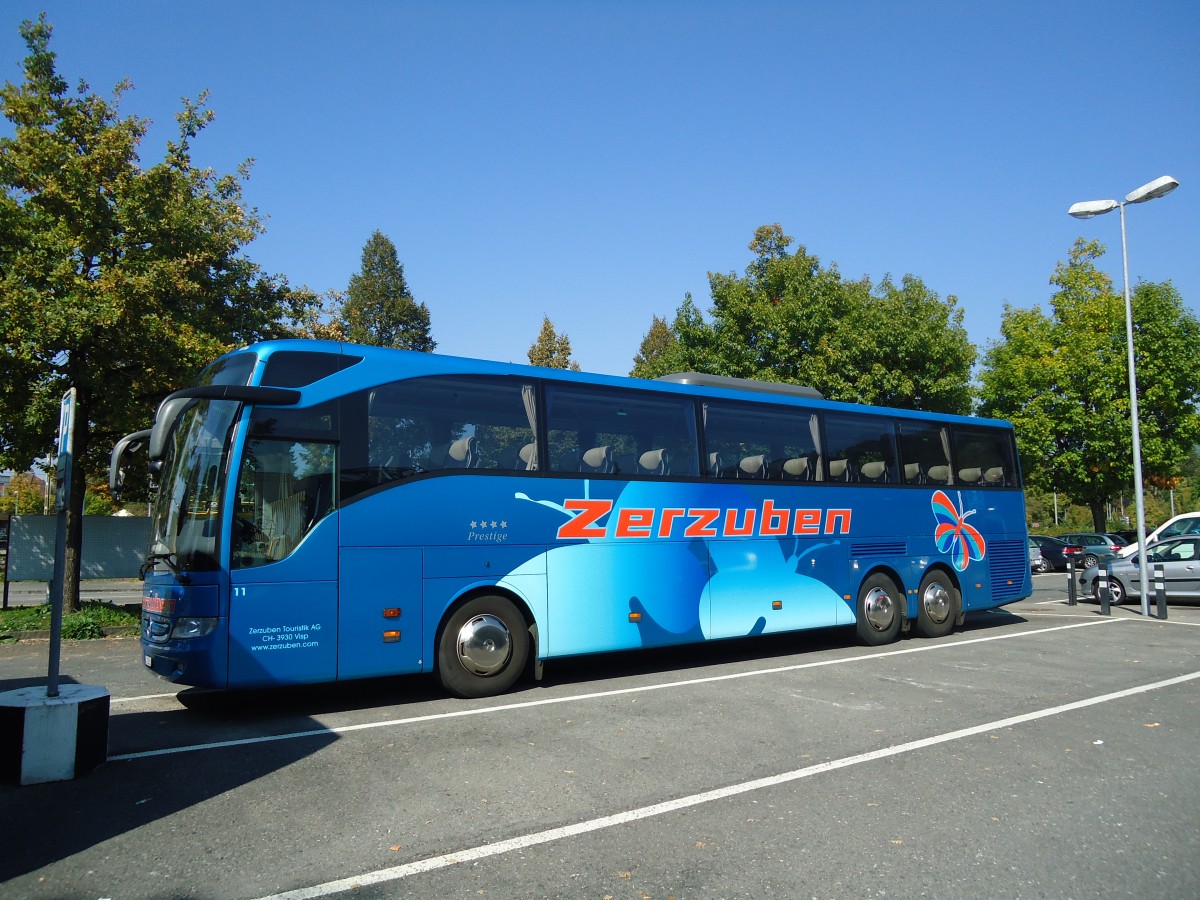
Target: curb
x,y
44,634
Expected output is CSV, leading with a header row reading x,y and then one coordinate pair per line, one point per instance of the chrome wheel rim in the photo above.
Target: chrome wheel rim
x,y
484,645
936,602
879,609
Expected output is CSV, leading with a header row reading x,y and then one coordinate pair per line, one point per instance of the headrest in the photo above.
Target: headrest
x,y
654,461
797,467
753,466
873,470
596,457
461,450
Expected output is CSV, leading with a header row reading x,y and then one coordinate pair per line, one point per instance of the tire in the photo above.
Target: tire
x,y
1116,591
1041,566
483,648
880,609
1090,560
938,604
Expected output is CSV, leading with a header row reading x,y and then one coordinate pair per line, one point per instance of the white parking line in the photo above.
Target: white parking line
x,y
472,854
528,704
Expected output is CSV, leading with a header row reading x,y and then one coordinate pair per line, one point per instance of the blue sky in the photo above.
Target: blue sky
x,y
593,161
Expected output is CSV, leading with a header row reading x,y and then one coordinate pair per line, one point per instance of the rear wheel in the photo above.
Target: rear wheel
x,y
483,648
1090,560
880,610
1116,590
938,603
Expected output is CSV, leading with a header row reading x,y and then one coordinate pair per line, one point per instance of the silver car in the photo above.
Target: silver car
x,y
1179,558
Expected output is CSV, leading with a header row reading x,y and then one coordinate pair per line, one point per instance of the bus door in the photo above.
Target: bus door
x,y
283,565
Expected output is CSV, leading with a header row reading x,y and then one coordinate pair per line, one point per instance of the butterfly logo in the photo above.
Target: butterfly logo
x,y
953,535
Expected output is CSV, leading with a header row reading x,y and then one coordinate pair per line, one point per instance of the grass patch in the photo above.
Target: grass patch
x,y
89,622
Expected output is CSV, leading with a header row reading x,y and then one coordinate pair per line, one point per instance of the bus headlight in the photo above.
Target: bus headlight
x,y
193,628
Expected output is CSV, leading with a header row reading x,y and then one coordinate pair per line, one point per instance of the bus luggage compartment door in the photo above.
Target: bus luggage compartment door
x,y
379,611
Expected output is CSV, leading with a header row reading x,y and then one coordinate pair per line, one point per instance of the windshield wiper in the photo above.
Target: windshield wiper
x,y
168,558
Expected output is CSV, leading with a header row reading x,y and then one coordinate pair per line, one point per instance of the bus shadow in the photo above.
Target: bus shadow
x,y
986,619
767,649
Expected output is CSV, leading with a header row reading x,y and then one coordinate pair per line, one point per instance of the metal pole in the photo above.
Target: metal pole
x,y
66,447
1134,422
7,544
1160,590
1102,593
1071,589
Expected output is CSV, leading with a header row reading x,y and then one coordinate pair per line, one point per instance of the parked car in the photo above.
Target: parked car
x,y
1054,552
1184,523
1096,547
1179,557
1035,557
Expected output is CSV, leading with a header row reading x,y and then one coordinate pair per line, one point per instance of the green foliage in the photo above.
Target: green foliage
x,y
98,501
89,622
551,349
789,319
657,344
1062,379
24,496
117,279
324,320
379,308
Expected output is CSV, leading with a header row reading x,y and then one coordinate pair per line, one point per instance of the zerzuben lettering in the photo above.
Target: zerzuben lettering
x,y
632,523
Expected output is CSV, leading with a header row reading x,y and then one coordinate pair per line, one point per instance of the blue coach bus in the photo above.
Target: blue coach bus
x,y
328,511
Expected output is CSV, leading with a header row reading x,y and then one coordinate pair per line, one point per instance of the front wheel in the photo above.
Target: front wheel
x,y
483,648
938,603
1090,560
880,610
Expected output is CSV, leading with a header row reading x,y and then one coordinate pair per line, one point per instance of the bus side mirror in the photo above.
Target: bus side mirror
x,y
116,472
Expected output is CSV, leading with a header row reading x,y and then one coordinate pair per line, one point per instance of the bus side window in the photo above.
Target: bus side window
x,y
616,432
865,445
441,425
983,457
760,442
924,453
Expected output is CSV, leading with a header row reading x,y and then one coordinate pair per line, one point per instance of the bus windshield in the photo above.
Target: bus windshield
x,y
187,512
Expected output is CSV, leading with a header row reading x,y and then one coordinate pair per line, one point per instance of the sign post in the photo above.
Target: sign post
x,y
55,735
62,500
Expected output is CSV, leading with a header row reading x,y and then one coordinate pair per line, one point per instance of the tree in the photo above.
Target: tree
x,y
118,280
379,308
551,349
789,319
1062,380
324,320
23,495
657,345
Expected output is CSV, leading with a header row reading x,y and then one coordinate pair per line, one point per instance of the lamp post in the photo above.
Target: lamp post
x,y
1159,187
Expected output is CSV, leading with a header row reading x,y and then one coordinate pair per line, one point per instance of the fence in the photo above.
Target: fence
x,y
113,547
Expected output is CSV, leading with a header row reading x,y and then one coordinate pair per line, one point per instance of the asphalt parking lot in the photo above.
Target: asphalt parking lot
x,y
1042,750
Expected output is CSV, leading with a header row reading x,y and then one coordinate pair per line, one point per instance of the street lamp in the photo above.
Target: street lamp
x,y
1159,187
